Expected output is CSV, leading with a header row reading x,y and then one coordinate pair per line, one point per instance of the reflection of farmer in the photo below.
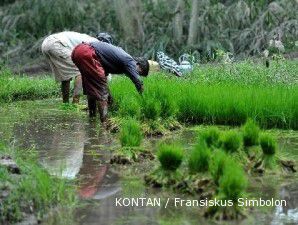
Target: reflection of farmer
x,y
57,49
95,61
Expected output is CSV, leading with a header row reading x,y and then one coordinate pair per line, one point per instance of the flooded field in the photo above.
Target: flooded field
x,y
72,146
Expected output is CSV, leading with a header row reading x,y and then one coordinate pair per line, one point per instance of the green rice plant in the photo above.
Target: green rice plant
x,y
167,103
233,182
34,187
269,147
218,162
131,133
268,144
14,88
170,156
129,107
211,136
151,108
231,141
250,132
199,158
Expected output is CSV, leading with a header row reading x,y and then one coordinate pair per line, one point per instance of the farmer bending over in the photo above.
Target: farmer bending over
x,y
57,49
95,61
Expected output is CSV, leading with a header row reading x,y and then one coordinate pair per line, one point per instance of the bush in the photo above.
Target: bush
x,y
131,134
211,136
231,141
250,132
233,182
217,164
268,144
199,158
170,156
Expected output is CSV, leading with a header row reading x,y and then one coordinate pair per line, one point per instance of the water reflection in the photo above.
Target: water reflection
x,y
74,147
289,213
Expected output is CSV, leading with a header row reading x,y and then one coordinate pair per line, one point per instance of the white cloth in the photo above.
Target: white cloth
x,y
58,48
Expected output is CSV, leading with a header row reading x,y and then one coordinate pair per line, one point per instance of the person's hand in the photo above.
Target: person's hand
x,y
141,90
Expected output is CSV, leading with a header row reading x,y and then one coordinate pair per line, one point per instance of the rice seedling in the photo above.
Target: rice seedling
x,y
199,158
32,189
218,161
129,107
268,144
211,136
233,182
170,156
250,132
269,147
231,141
14,88
130,133
151,108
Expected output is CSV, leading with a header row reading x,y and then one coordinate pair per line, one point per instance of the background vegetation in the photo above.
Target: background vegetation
x,y
242,27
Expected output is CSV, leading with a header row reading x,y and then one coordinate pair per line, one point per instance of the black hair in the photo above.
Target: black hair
x,y
143,64
105,37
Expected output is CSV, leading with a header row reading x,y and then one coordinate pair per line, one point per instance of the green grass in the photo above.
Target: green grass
x,y
199,158
13,88
212,94
131,133
170,156
34,188
268,144
233,182
218,95
231,141
211,136
217,163
250,132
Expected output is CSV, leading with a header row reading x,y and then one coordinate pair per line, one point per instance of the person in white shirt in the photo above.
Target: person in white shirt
x,y
57,49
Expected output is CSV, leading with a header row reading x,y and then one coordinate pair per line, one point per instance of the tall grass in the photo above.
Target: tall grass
x,y
215,95
131,133
212,94
33,189
14,88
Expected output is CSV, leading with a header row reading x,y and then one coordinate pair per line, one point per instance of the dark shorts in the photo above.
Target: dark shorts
x,y
94,78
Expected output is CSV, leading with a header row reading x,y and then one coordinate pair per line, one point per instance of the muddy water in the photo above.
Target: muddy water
x,y
71,146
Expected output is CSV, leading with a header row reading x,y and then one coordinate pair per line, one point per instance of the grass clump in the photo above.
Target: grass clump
x,y
250,132
129,107
211,136
14,88
131,133
231,141
269,147
170,156
233,182
199,158
33,190
151,108
217,165
268,144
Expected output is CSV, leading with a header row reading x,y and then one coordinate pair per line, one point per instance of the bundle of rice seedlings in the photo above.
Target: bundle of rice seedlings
x,y
199,158
170,156
250,131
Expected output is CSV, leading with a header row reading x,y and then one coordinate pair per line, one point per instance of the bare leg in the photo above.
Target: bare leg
x,y
110,99
103,111
91,106
65,86
77,89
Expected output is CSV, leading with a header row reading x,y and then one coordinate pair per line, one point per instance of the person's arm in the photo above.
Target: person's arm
x,y
132,73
